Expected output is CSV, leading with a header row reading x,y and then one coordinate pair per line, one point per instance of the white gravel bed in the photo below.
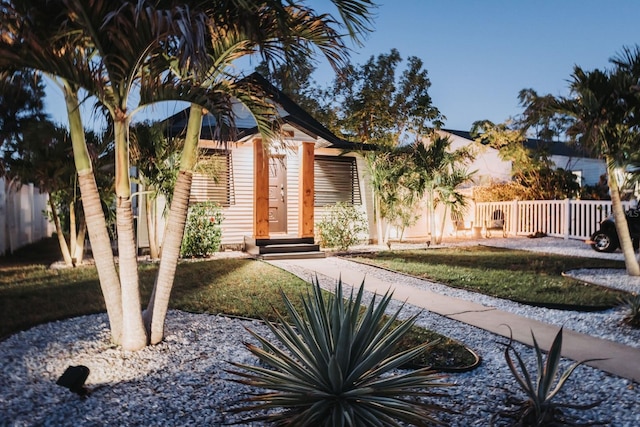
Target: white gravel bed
x,y
182,381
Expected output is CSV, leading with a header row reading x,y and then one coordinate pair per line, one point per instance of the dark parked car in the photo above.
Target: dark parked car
x,y
606,238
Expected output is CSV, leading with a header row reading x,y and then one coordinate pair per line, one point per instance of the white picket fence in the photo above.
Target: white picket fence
x,y
23,218
569,219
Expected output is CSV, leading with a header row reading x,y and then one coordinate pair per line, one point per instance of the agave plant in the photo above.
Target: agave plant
x,y
631,304
336,366
538,409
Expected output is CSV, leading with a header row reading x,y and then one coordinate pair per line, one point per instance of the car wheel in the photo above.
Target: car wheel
x,y
604,241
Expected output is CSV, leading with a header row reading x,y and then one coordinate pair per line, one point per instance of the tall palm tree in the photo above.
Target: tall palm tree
x,y
598,104
448,195
30,38
276,32
155,157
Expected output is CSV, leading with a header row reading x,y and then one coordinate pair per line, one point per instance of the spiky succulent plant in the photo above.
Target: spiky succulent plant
x,y
336,365
631,304
538,409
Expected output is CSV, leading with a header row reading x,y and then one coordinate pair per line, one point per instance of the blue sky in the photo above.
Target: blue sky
x,y
480,54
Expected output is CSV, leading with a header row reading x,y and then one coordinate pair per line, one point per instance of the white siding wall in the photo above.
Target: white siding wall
x,y
293,192
591,169
238,218
488,164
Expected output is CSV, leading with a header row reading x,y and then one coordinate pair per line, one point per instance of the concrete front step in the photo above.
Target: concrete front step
x,y
288,248
292,255
283,248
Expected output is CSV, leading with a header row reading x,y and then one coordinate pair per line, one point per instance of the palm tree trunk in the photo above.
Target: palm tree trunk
x,y
442,223
626,244
156,312
432,217
72,229
64,248
102,252
96,224
134,336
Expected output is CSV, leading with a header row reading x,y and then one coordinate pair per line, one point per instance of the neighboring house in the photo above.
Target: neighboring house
x,y
276,195
488,165
491,167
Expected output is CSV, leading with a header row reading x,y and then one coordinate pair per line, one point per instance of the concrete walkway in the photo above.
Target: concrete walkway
x,y
619,359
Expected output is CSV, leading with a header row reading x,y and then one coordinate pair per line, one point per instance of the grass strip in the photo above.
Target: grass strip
x,y
527,277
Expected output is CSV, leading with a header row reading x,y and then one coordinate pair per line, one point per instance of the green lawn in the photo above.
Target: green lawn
x,y
31,294
522,276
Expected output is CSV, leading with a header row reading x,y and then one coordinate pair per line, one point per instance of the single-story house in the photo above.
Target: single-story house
x,y
274,196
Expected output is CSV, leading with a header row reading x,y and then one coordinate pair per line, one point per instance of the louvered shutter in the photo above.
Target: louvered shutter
x,y
336,180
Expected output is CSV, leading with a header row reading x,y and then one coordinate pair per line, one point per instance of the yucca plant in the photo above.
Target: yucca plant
x,y
631,304
538,409
335,365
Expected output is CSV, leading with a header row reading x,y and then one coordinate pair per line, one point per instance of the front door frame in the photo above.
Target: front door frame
x,y
261,190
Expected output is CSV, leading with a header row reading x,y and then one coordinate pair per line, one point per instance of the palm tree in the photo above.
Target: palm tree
x,y
391,187
30,38
441,170
156,157
44,157
448,195
601,113
274,32
112,48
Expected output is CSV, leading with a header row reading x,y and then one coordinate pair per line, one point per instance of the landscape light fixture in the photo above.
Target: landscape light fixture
x,y
73,378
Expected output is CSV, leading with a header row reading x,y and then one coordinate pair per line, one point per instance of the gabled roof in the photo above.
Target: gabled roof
x,y
553,148
289,112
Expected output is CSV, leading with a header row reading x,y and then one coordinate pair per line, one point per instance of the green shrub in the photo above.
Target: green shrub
x,y
342,226
332,367
538,409
202,233
632,305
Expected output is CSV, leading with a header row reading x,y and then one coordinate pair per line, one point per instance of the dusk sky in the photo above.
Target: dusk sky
x,y
480,54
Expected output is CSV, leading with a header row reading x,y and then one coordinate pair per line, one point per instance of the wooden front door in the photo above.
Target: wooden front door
x,y
277,195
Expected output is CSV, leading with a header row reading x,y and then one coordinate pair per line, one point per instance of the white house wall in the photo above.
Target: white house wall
x,y
238,218
487,164
590,169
